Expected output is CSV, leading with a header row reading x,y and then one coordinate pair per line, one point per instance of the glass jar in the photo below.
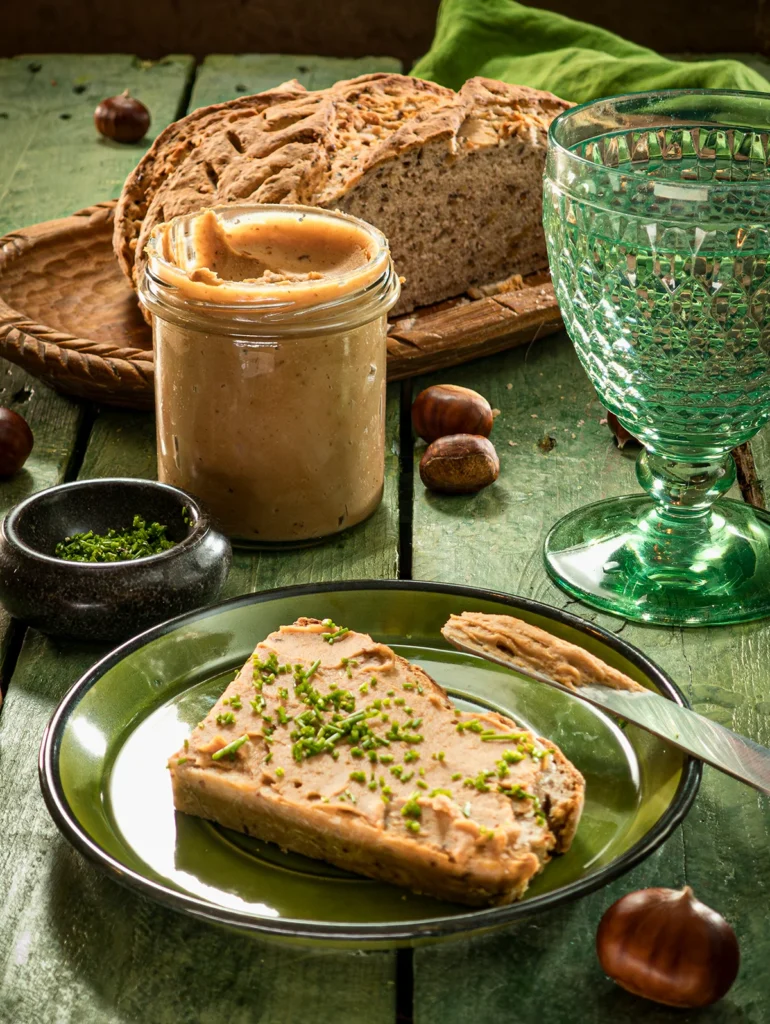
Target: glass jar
x,y
270,386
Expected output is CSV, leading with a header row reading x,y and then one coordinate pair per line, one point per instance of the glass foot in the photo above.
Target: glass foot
x,y
622,556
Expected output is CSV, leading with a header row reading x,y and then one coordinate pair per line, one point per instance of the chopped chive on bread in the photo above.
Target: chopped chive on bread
x,y
331,745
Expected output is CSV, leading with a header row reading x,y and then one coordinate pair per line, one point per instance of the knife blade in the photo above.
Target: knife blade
x,y
708,741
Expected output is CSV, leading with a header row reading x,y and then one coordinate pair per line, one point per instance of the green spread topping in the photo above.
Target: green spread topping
x,y
226,718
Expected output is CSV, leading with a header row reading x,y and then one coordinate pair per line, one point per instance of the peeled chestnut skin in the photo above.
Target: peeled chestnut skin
x,y
16,442
667,946
459,464
449,409
122,118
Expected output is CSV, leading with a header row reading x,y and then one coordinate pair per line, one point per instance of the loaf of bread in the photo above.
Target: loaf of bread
x,y
453,179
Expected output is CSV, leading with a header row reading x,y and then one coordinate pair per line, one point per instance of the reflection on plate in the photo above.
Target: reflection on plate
x,y
104,756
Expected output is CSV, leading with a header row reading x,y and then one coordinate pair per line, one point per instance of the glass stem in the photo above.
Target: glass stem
x,y
684,492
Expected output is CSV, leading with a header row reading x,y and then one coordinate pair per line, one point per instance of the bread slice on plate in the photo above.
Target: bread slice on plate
x,y
331,745
453,179
532,649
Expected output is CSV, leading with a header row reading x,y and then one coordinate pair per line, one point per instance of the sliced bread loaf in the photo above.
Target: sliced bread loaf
x,y
452,179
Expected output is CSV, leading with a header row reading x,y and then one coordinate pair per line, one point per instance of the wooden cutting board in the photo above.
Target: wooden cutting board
x,y
68,316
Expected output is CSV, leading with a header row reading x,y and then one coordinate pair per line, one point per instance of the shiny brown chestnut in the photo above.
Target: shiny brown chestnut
x,y
122,118
449,409
622,436
667,946
16,442
459,464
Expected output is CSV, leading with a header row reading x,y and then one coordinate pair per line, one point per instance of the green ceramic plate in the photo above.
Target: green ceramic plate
x,y
104,778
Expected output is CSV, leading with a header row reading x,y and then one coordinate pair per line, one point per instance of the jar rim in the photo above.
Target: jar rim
x,y
290,311
612,106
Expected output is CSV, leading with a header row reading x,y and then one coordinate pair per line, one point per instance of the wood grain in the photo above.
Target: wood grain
x,y
495,540
52,160
221,78
459,331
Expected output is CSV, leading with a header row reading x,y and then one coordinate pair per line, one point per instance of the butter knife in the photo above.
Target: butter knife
x,y
715,744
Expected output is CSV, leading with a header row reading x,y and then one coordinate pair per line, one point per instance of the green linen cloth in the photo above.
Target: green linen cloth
x,y
525,46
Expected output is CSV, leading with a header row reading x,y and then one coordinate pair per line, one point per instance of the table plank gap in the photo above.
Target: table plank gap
x,y
406,483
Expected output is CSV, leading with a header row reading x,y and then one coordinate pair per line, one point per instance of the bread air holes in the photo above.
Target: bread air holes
x,y
234,141
374,657
211,174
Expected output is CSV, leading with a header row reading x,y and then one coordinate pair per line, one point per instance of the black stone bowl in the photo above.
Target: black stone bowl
x,y
108,600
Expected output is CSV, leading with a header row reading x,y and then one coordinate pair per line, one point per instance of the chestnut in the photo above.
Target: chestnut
x,y
16,442
459,464
122,118
667,946
622,436
449,409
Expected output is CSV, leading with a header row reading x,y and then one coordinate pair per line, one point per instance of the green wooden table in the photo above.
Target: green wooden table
x,y
75,948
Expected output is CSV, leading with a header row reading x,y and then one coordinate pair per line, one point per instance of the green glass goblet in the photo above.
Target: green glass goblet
x,y
657,218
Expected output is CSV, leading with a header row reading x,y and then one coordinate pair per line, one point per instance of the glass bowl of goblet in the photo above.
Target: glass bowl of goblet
x,y
657,219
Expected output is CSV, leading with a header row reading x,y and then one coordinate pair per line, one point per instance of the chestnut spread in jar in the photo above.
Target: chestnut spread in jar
x,y
269,326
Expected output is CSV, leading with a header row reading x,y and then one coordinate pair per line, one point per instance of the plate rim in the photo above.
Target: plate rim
x,y
476,919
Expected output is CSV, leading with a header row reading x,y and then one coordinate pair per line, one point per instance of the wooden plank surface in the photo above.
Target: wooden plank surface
x,y
546,970
76,947
222,77
52,159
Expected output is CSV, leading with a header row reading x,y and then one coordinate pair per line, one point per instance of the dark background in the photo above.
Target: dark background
x,y
346,28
